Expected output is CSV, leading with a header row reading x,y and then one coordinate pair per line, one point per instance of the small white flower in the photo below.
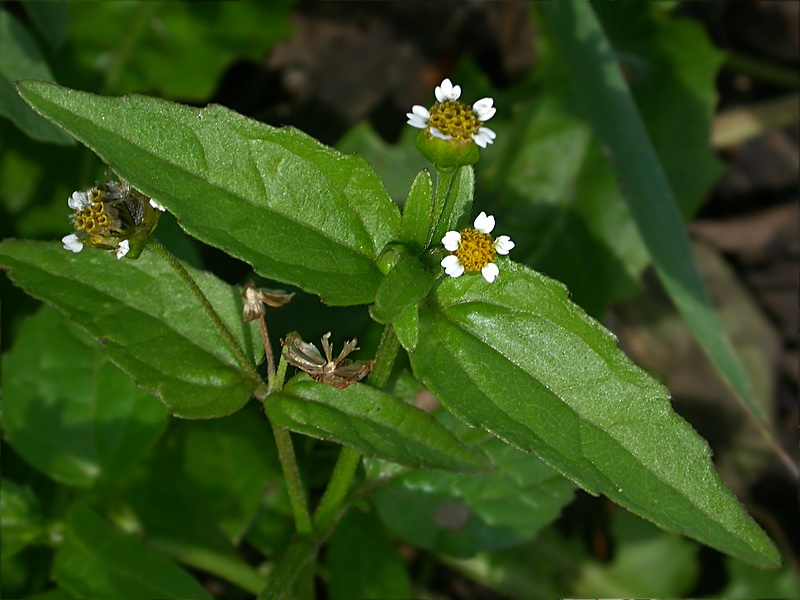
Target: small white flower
x,y
157,205
455,120
79,200
72,242
447,91
484,223
122,249
503,244
473,249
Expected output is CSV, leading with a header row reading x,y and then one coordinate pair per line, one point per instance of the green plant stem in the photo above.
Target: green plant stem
x,y
444,183
294,485
212,314
268,353
229,568
763,70
300,553
332,503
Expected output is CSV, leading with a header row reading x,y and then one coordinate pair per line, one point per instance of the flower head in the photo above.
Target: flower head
x,y
473,249
339,372
113,216
450,119
255,299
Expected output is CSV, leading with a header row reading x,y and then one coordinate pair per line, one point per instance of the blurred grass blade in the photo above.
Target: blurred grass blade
x,y
618,125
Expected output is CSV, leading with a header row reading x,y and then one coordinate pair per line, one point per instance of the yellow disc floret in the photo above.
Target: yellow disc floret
x,y
475,250
454,119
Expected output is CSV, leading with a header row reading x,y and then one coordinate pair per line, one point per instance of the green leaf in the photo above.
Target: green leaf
x,y
640,550
21,520
363,563
20,58
461,515
129,42
227,462
618,126
518,358
296,210
406,327
68,411
458,189
148,321
403,287
97,561
418,213
372,422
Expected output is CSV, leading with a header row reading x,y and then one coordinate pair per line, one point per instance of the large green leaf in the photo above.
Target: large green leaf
x,y
227,462
68,411
371,421
97,561
362,561
460,515
21,519
20,58
298,211
648,193
519,359
148,321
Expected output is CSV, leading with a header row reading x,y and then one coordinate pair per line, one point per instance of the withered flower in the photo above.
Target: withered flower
x,y
255,299
339,372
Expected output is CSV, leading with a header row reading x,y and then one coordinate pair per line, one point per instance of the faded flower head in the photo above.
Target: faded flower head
x,y
473,249
112,216
255,299
451,121
339,372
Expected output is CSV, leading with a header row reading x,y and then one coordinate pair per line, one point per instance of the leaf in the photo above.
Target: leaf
x,y
458,186
227,462
517,358
640,551
403,287
406,327
372,422
417,213
129,41
296,210
97,561
68,411
617,124
21,520
150,324
20,58
362,561
461,515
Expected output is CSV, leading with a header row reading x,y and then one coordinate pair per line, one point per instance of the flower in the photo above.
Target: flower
x,y
339,372
449,119
113,216
474,249
255,299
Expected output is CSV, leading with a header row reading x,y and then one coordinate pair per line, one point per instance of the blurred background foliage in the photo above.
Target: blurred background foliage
x,y
85,455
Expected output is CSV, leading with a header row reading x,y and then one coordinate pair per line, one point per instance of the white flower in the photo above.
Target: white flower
x,y
157,205
122,249
72,242
79,200
473,249
458,121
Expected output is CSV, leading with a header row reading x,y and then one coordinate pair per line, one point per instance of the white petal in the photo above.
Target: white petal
x,y
79,200
489,272
72,242
484,137
503,244
122,249
416,121
157,205
484,223
421,111
452,266
483,109
451,240
447,91
442,136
